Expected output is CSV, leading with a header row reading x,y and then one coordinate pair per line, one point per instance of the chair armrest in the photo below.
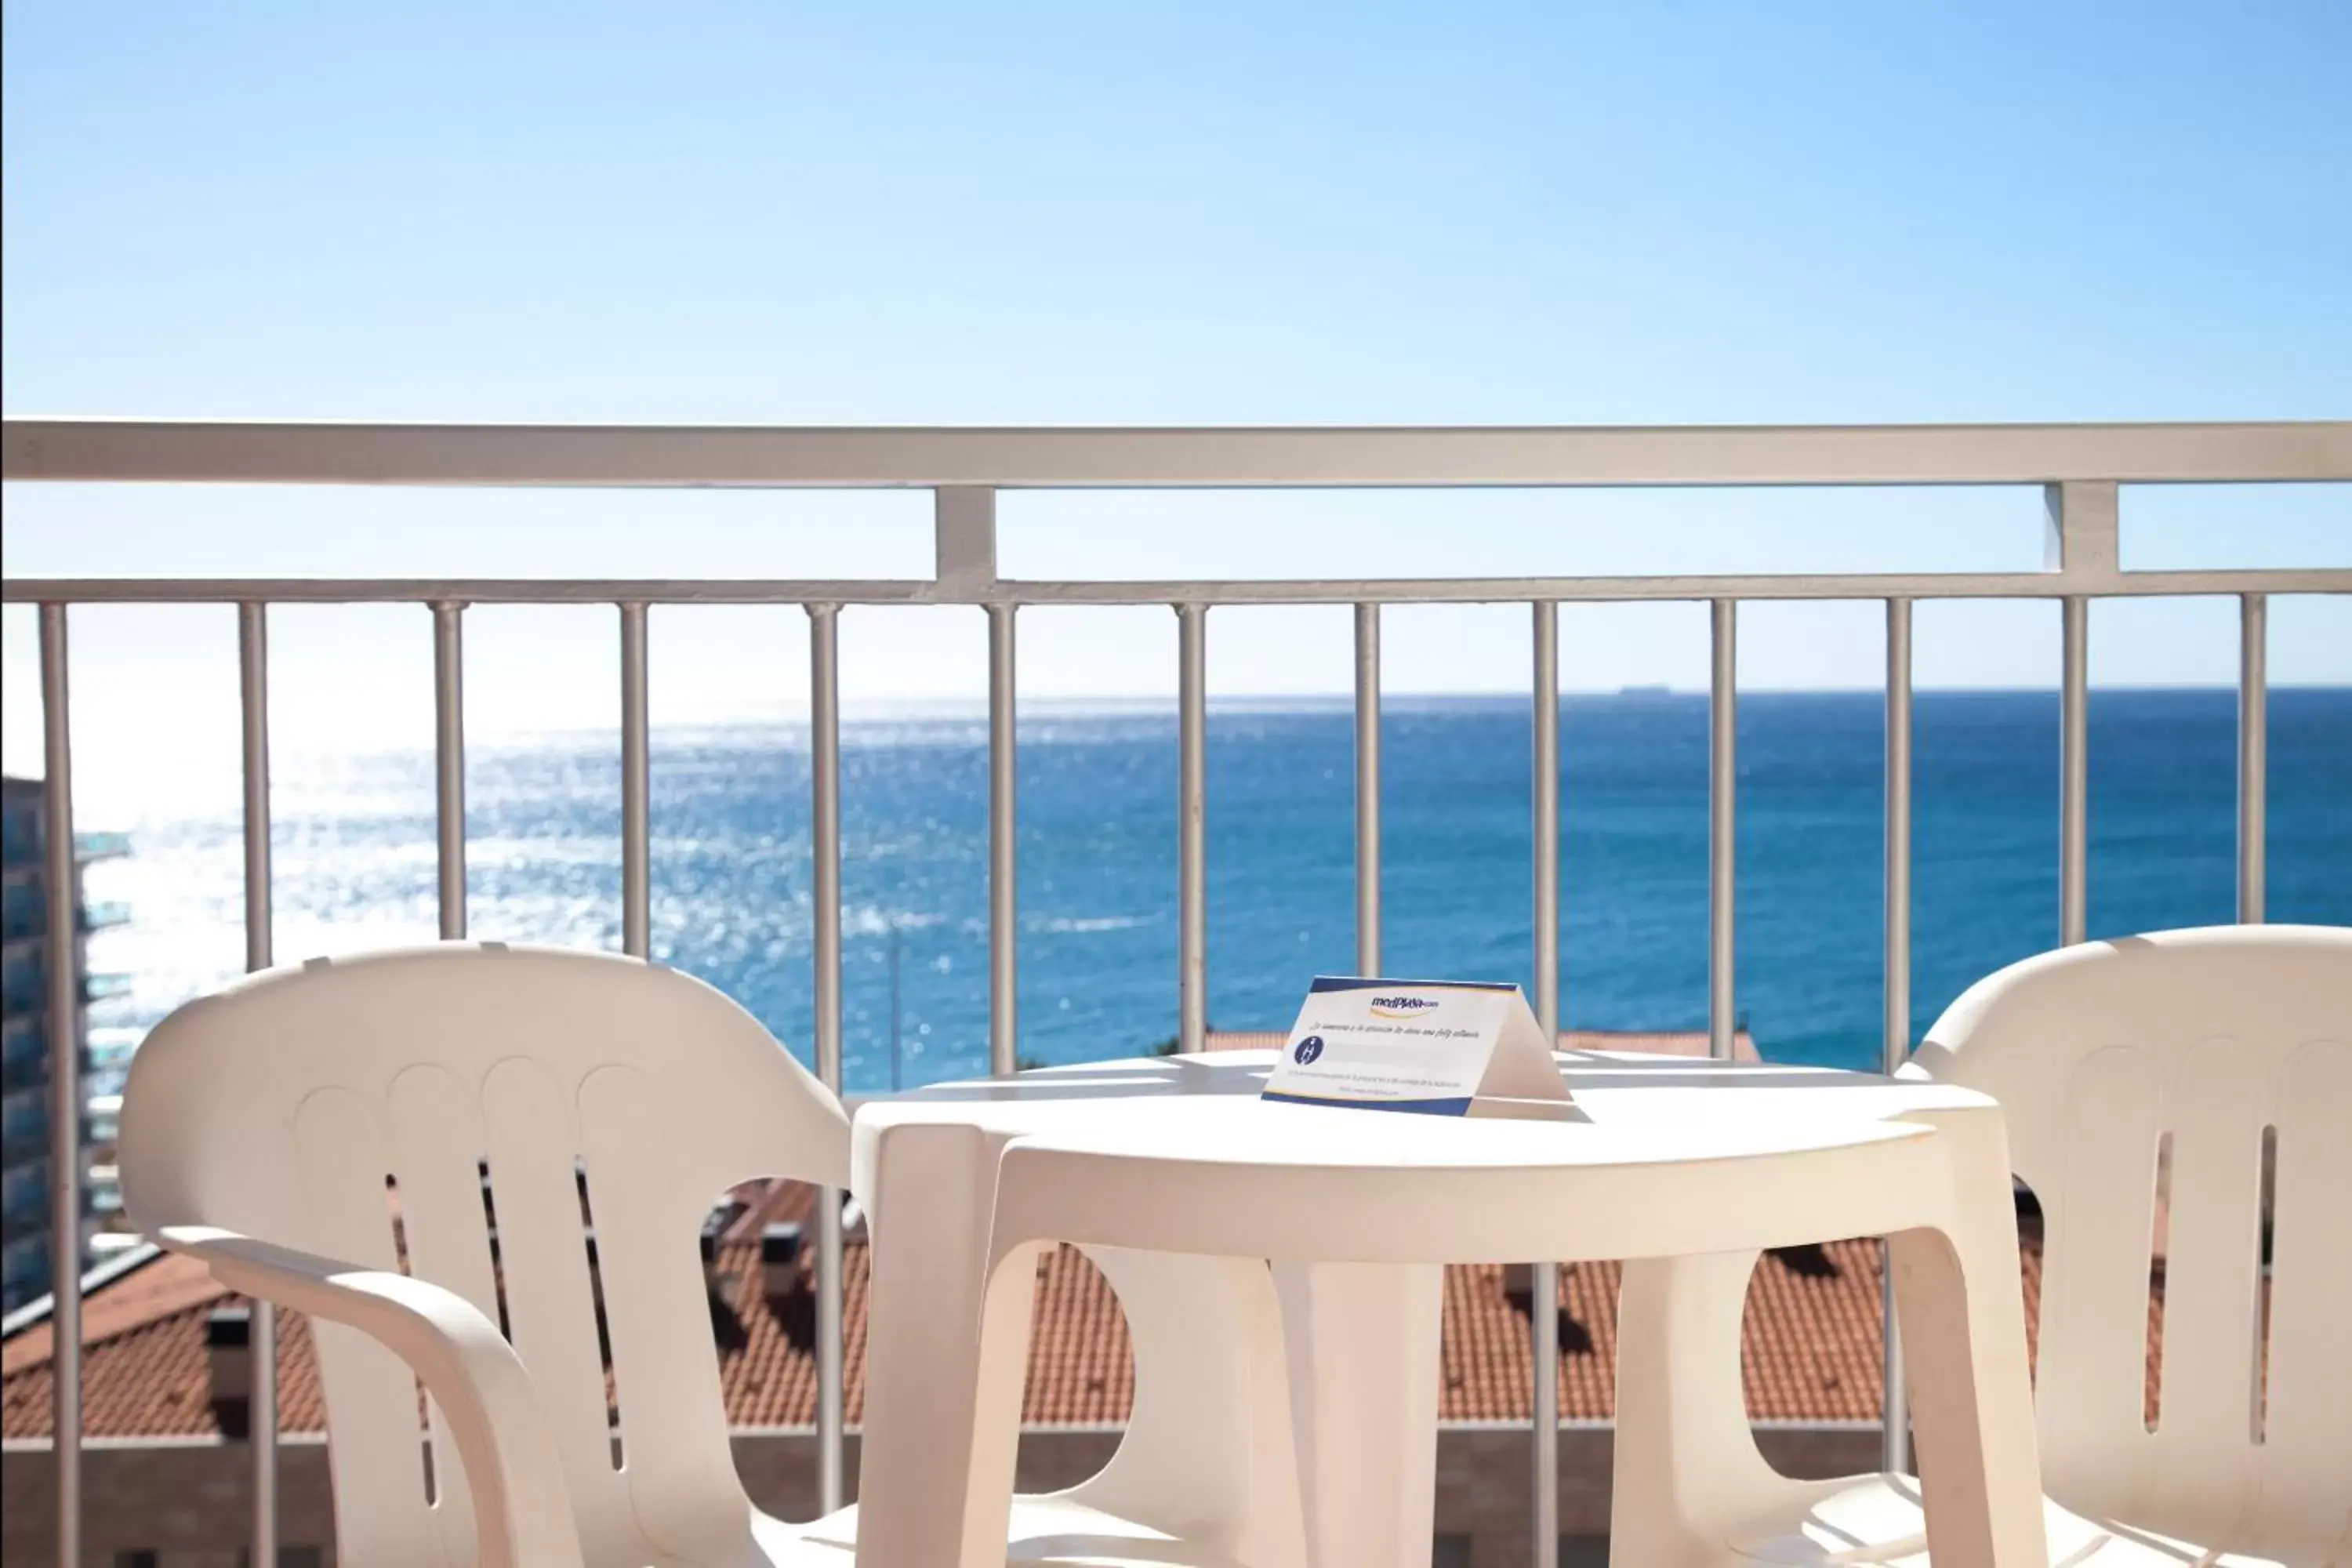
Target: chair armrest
x,y
523,1508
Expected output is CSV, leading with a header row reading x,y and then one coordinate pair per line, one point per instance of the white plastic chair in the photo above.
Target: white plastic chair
x,y
276,1130
2204,1055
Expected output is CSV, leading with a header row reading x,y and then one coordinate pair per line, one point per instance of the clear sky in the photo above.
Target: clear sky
x,y
1684,212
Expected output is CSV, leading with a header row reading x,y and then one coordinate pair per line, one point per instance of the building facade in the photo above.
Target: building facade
x,y
25,1046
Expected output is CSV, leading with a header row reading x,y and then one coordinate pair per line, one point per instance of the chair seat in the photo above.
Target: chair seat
x,y
1877,1519
1046,1532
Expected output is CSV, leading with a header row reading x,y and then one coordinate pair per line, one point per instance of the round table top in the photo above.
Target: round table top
x,y
1626,1110
1650,1156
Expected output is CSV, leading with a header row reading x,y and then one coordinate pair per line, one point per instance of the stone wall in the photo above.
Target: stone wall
x,y
1483,1481
188,1502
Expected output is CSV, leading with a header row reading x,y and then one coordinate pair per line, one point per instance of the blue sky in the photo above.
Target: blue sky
x,y
1665,214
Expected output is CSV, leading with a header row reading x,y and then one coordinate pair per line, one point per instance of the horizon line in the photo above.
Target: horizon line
x,y
976,707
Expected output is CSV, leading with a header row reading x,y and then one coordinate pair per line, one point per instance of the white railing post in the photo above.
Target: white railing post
x,y
824,840
1545,827
1722,847
2075,772
964,523
1368,789
636,788
253,670
963,541
1543,1293
2253,753
1192,827
61,872
2084,544
1896,1024
1004,848
449,764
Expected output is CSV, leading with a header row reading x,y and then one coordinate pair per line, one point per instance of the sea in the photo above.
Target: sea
x,y
355,861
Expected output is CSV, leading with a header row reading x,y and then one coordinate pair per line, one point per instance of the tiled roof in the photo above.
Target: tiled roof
x,y
126,1301
1811,1342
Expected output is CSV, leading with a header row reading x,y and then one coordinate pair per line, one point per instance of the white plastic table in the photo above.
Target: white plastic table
x,y
1358,1211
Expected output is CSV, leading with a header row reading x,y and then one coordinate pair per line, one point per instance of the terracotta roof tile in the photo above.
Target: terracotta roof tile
x,y
143,1368
154,1289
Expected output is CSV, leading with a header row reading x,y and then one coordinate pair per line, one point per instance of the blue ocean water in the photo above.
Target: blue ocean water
x,y
1097,823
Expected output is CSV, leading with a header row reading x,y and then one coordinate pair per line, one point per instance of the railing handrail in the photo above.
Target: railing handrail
x,y
320,452
1033,592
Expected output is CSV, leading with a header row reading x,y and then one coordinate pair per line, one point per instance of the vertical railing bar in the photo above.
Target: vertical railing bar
x,y
64,955
824,836
253,670
1368,789
636,789
1546,816
1543,1296
1192,829
449,763
2253,753
1723,701
2075,774
1004,850
1896,1036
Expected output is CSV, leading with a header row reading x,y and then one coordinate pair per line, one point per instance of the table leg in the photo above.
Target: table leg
x,y
1961,1306
942,1392
1363,1341
1686,1458
1209,1451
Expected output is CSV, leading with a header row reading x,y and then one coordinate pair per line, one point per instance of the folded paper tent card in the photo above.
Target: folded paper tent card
x,y
1436,1047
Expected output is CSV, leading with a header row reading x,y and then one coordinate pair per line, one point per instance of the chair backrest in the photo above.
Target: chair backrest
x,y
547,1129
2216,1064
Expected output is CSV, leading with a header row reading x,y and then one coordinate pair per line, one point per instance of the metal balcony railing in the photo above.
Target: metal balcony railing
x,y
2079,467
